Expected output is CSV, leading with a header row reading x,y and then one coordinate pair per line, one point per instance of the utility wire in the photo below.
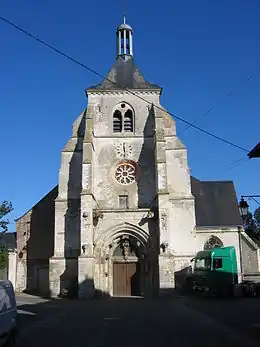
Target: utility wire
x,y
249,78
255,200
237,162
126,89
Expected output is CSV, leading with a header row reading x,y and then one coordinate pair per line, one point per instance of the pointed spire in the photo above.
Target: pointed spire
x,y
124,37
124,11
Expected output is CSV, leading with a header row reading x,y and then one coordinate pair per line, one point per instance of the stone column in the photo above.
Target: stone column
x,y
131,42
12,264
86,260
166,263
166,273
124,41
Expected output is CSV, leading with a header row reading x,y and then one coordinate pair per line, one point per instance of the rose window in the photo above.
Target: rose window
x,y
125,173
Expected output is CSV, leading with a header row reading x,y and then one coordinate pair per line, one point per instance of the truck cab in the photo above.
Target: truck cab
x,y
215,271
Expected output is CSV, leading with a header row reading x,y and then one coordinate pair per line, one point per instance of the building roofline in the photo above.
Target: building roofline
x,y
17,219
223,227
118,90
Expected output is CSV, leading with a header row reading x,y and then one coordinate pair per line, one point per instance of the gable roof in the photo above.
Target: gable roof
x,y
53,192
215,203
124,74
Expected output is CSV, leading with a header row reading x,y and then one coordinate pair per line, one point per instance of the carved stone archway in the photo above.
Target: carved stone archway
x,y
125,243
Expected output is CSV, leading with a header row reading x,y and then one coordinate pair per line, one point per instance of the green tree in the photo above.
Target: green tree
x,y
3,258
5,208
252,224
257,218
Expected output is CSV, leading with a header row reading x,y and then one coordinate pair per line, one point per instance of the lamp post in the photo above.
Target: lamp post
x,y
243,211
243,205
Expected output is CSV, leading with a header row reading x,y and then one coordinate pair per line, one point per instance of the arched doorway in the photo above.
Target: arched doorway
x,y
128,267
124,262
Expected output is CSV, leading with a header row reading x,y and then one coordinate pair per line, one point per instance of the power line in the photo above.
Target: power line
x,y
212,108
237,162
255,200
126,89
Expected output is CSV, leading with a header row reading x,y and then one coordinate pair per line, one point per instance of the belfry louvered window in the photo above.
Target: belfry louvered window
x,y
123,119
117,122
128,121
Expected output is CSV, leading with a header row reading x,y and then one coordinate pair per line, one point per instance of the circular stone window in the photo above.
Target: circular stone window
x,y
125,173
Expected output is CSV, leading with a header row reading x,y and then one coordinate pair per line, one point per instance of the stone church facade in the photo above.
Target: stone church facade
x,y
126,217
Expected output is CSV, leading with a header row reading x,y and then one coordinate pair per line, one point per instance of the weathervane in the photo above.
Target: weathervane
x,y
124,11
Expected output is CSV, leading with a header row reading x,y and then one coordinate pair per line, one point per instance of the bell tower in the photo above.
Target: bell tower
x,y
124,36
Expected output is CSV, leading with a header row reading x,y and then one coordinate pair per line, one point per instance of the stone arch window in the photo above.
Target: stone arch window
x,y
213,242
117,122
128,121
123,119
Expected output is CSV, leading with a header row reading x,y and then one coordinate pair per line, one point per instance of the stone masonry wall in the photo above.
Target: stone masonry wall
x,y
35,241
249,257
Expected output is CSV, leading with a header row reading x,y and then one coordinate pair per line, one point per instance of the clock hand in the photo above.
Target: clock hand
x,y
124,149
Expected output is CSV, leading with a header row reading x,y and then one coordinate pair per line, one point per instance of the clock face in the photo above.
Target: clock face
x,y
124,150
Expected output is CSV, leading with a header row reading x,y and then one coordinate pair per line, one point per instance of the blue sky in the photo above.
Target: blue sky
x,y
198,51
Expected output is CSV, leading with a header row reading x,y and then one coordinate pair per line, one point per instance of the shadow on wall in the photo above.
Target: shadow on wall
x,y
183,279
39,234
147,195
69,279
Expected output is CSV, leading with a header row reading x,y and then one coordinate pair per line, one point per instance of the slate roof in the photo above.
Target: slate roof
x,y
215,203
124,74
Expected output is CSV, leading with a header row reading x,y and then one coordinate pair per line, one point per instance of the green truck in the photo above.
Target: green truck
x,y
215,271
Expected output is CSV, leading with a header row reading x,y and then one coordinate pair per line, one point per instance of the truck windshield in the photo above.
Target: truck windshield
x,y
202,263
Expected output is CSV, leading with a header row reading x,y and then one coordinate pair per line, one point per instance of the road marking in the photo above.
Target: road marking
x,y
20,303
26,312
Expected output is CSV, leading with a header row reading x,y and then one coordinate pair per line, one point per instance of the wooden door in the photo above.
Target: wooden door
x,y
123,278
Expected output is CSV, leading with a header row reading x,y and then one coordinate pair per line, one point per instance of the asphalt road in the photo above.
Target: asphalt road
x,y
121,322
241,314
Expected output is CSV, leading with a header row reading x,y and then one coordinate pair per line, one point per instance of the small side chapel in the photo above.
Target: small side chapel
x,y
126,217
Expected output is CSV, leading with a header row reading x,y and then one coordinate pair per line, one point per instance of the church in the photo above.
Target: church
x,y
126,217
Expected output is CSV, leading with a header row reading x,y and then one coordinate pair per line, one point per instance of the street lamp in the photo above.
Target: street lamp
x,y
243,208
